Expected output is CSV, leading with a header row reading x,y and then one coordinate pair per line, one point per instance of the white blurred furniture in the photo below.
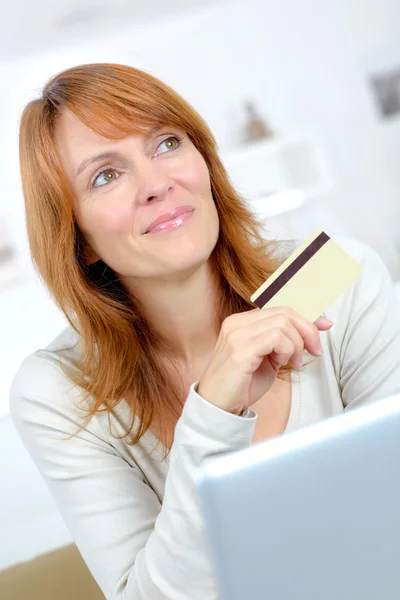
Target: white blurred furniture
x,y
57,575
284,179
265,167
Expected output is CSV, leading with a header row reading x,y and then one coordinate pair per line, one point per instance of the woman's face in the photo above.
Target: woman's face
x,y
138,179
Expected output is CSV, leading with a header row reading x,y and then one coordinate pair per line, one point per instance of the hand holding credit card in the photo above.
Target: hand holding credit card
x,y
253,345
311,279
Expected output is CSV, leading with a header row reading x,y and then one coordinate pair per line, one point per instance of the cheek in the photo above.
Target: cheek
x,y
108,218
196,177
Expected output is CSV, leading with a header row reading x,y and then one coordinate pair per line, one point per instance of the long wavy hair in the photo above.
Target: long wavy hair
x,y
121,356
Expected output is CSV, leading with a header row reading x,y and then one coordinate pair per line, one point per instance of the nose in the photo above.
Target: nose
x,y
155,183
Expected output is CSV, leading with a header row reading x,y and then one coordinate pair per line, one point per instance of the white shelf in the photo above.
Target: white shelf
x,y
278,173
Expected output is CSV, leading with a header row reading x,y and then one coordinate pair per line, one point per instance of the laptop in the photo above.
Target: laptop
x,y
311,514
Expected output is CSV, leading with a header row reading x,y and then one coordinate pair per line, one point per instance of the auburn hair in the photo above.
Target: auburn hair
x,y
121,356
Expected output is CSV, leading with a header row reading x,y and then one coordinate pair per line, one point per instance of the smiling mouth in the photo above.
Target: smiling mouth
x,y
173,222
170,224
169,216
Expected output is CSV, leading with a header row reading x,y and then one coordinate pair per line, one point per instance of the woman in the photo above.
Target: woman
x,y
166,361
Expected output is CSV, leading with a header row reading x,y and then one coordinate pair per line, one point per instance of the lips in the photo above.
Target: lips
x,y
169,216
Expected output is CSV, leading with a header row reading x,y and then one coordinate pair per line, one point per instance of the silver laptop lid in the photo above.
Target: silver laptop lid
x,y
312,514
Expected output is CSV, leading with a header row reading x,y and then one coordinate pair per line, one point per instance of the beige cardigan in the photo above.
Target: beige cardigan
x,y
136,518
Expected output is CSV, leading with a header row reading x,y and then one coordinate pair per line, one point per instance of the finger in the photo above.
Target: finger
x,y
294,336
285,320
282,352
323,323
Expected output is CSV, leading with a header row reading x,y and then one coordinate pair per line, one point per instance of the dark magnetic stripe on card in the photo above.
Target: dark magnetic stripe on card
x,y
292,269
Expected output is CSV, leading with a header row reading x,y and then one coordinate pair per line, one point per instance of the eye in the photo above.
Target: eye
x,y
174,139
105,172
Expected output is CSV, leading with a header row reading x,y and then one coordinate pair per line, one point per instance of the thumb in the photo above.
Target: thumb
x,y
323,323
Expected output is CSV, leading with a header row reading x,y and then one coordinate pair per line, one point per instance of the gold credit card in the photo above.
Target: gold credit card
x,y
311,279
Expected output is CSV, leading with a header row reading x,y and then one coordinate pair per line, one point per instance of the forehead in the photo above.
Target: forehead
x,y
74,140
68,128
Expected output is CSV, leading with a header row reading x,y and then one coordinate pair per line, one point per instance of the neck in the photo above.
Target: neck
x,y
183,311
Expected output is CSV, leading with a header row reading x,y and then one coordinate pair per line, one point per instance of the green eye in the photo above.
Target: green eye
x,y
172,138
104,172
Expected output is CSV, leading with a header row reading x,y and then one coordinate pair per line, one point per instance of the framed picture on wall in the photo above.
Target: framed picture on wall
x,y
384,79
9,267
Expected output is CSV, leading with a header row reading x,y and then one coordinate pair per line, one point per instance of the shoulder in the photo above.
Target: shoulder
x,y
45,364
366,316
372,289
361,252
40,390
365,337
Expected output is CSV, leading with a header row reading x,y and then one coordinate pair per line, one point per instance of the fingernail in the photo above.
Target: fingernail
x,y
298,362
319,350
328,321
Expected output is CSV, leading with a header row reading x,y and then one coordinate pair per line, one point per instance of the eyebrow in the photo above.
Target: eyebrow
x,y
112,154
97,158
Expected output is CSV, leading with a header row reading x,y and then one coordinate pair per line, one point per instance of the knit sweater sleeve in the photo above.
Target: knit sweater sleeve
x,y
136,548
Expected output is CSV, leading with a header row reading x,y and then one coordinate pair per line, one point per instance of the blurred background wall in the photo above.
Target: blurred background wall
x,y
306,65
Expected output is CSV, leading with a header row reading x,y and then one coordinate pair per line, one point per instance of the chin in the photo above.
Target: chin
x,y
188,256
